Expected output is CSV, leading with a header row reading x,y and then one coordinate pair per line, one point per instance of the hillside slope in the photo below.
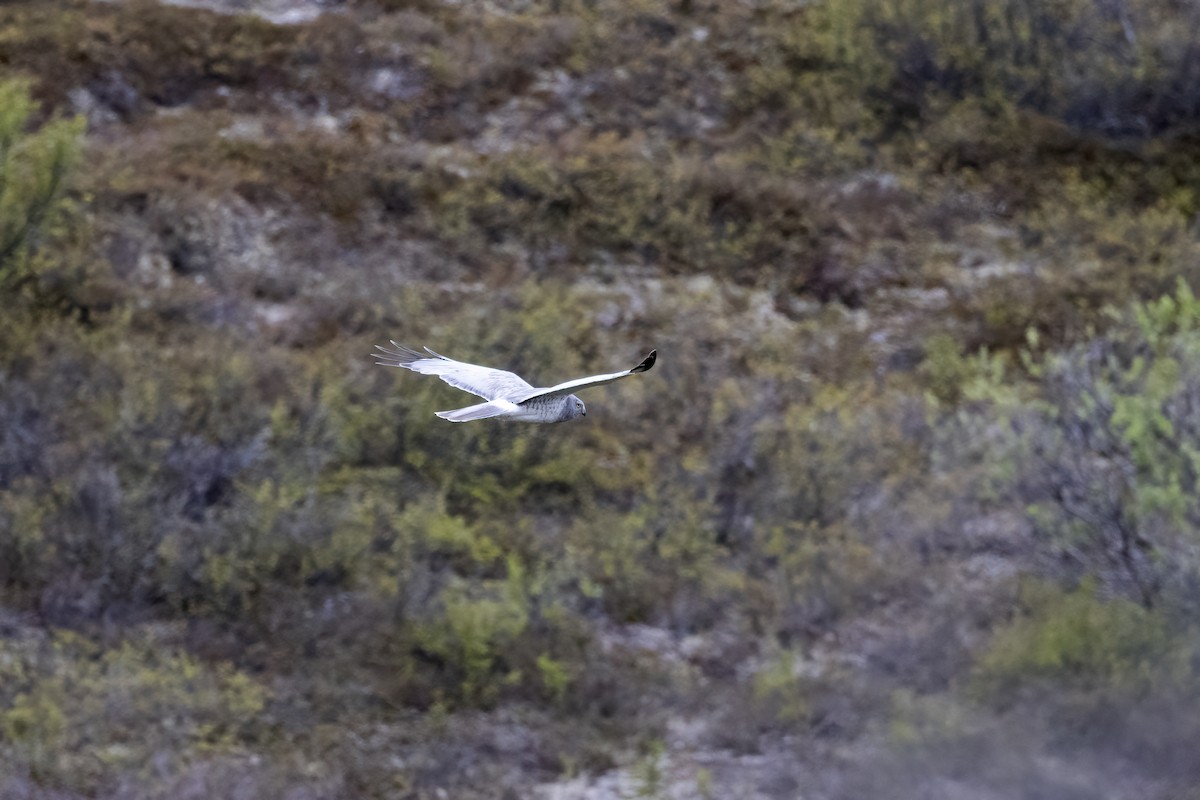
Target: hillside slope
x,y
906,508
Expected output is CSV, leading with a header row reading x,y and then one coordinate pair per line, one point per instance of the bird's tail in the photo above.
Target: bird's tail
x,y
480,411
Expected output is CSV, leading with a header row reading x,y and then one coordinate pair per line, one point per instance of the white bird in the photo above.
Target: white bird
x,y
507,395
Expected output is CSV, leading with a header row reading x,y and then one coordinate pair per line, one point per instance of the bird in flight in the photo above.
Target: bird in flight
x,y
507,395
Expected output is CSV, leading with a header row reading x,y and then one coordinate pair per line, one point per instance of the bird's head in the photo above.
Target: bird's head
x,y
578,409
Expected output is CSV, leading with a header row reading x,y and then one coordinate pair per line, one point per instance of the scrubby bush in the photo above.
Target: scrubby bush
x,y
1115,68
34,167
75,715
1112,459
1078,642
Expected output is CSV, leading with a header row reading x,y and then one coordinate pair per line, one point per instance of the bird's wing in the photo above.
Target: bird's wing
x,y
594,380
486,382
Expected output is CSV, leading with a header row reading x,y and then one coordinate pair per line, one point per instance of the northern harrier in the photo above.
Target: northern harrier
x,y
506,394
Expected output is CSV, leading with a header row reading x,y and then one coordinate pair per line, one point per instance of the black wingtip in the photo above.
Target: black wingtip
x,y
647,362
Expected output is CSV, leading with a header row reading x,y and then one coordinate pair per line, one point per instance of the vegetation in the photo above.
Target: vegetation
x,y
914,482
33,167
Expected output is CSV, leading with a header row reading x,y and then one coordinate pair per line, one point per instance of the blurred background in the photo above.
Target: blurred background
x,y
907,509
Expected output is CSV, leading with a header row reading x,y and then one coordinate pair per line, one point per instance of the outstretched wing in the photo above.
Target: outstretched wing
x,y
594,380
486,382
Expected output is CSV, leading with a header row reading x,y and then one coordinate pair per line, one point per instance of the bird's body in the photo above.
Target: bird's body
x,y
506,394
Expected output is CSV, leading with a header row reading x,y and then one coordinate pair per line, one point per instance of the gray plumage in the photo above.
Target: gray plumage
x,y
507,395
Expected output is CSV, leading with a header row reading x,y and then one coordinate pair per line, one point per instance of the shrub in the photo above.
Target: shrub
x,y
1115,68
74,714
1078,640
1113,458
473,630
609,198
34,167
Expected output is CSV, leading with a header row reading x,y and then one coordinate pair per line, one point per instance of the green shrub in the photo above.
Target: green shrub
x,y
73,713
1079,642
476,624
659,563
1112,460
34,168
